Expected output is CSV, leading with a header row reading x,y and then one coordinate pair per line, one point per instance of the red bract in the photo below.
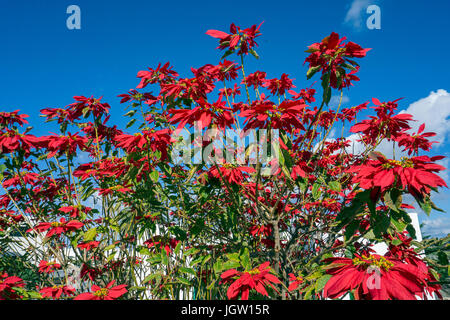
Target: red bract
x,y
65,144
238,38
11,141
232,174
373,277
242,282
148,139
57,228
331,56
413,142
295,281
55,292
111,190
414,174
85,106
10,118
255,79
160,74
107,293
263,113
75,211
385,124
89,245
158,242
279,86
48,267
204,113
8,285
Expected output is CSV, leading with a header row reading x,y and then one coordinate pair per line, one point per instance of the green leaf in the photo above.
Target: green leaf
x,y
327,95
321,282
308,293
154,175
316,191
131,122
312,71
398,225
442,258
164,258
110,247
253,53
382,223
178,248
351,229
90,234
245,260
411,231
335,186
188,270
184,281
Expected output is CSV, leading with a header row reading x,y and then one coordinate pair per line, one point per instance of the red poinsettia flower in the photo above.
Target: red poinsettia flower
x,y
231,173
294,281
118,188
160,74
48,266
279,86
244,39
7,285
89,245
152,139
204,113
85,106
10,118
243,282
75,211
385,124
65,144
255,79
403,251
107,293
263,112
332,55
412,142
55,292
416,174
373,277
168,244
57,228
11,141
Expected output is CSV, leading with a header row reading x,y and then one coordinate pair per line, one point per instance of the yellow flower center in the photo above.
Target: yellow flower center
x,y
404,163
380,262
101,293
56,224
254,271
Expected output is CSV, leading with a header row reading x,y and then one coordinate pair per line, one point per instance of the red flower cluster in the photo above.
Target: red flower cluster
x,y
107,293
242,282
373,277
57,228
243,39
331,56
416,174
8,285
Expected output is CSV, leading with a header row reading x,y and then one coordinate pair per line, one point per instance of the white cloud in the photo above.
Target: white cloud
x,y
334,101
436,227
434,111
354,14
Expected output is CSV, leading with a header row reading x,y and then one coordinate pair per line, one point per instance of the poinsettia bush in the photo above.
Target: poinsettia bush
x,y
102,212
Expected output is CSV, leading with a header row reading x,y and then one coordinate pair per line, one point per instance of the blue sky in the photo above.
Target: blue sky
x,y
44,64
